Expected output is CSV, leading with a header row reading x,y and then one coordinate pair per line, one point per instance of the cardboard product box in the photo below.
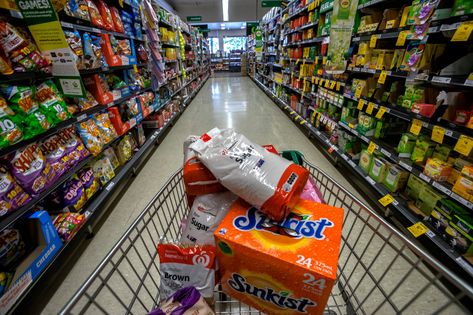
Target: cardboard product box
x,y
427,199
464,187
459,235
395,178
437,169
41,232
414,186
378,169
365,161
280,268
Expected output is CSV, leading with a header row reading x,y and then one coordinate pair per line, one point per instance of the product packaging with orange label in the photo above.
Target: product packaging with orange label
x,y
280,268
265,180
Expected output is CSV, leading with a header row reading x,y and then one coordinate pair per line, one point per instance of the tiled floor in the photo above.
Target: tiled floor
x,y
229,102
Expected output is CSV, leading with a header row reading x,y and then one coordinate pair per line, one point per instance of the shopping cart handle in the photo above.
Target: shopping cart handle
x,y
294,156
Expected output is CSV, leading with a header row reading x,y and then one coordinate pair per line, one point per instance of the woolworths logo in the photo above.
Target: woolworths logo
x,y
280,299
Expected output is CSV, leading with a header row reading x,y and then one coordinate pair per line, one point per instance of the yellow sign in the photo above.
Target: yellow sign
x,y
380,112
371,147
437,134
358,91
370,108
464,145
401,39
297,61
327,82
361,103
386,200
338,86
332,84
324,60
316,59
373,40
416,127
382,77
418,229
313,80
316,80
463,32
352,126
321,81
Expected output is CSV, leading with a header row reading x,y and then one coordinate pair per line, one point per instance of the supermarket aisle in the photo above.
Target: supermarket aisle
x,y
234,102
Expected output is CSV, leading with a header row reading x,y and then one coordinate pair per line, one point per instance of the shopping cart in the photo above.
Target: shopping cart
x,y
380,270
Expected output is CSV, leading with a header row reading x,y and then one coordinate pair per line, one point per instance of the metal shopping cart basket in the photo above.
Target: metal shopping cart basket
x,y
380,270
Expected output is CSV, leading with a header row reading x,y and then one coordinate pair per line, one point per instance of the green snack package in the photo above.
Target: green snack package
x,y
20,98
51,102
10,125
406,145
36,123
427,199
423,150
114,82
395,178
365,160
378,169
414,186
442,152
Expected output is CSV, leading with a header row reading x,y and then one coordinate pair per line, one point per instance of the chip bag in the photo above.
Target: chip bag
x,y
105,126
117,20
106,15
31,169
263,179
94,13
103,169
75,43
183,266
10,126
75,149
124,149
112,157
67,224
55,153
12,196
198,180
90,135
89,182
51,102
186,301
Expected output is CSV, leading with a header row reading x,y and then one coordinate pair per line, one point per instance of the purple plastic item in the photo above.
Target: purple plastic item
x,y
74,193
31,170
55,154
311,192
185,301
12,196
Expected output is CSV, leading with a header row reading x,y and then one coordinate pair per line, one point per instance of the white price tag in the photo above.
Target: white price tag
x,y
352,164
356,69
405,165
317,132
81,117
460,199
448,132
109,186
438,79
430,234
345,157
469,82
132,122
371,71
395,202
442,188
388,154
370,180
365,139
424,177
461,261
64,24
354,132
87,214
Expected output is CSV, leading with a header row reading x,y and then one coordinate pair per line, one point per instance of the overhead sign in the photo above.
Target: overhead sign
x,y
270,3
251,27
47,32
194,18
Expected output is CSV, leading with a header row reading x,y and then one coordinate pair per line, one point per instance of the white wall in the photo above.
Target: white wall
x,y
222,33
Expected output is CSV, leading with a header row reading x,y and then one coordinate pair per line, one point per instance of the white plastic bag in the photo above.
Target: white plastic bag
x,y
263,179
206,213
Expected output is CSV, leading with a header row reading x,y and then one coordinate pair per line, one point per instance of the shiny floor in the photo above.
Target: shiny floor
x,y
226,102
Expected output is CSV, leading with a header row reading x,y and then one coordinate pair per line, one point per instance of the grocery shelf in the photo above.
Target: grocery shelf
x,y
307,42
398,207
170,45
91,29
23,77
111,69
303,27
296,14
165,23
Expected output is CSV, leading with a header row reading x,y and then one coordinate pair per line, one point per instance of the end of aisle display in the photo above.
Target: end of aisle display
x,y
82,148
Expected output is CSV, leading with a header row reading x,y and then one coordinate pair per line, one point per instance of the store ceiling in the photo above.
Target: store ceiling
x,y
211,10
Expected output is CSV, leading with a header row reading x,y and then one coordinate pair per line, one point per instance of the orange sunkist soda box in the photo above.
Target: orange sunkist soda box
x,y
280,268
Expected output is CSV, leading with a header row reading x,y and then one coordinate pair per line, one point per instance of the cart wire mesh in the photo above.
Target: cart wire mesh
x,y
380,271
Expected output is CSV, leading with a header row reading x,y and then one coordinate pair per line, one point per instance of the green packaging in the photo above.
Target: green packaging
x,y
462,7
459,235
378,169
427,199
406,145
442,152
423,150
365,161
414,186
395,178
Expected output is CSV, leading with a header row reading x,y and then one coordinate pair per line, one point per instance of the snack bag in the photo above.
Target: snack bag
x,y
75,149
184,266
186,301
94,13
89,182
73,193
265,180
206,213
55,153
198,180
10,130
90,135
106,15
280,268
106,128
20,98
31,170
103,169
67,224
112,157
87,102
117,20
51,102
78,9
12,247
75,43
124,149
12,195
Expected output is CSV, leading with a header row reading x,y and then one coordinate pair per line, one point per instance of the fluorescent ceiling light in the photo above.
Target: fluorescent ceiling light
x,y
222,25
242,27
225,10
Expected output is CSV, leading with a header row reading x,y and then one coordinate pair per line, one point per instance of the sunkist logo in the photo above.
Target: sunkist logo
x,y
280,299
299,225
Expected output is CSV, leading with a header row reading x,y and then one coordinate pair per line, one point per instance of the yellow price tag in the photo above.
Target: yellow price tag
x,y
324,60
416,127
386,200
297,61
316,80
401,39
313,80
464,145
120,2
352,126
373,40
418,229
332,84
303,122
371,147
316,59
463,32
321,81
382,77
437,134
291,112
327,82
361,103
135,68
358,91
338,86
380,112
370,108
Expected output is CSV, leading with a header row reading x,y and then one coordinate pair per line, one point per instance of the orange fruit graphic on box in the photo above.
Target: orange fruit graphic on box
x,y
286,267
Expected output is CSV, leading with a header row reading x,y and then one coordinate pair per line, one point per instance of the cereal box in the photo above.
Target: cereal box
x,y
280,268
